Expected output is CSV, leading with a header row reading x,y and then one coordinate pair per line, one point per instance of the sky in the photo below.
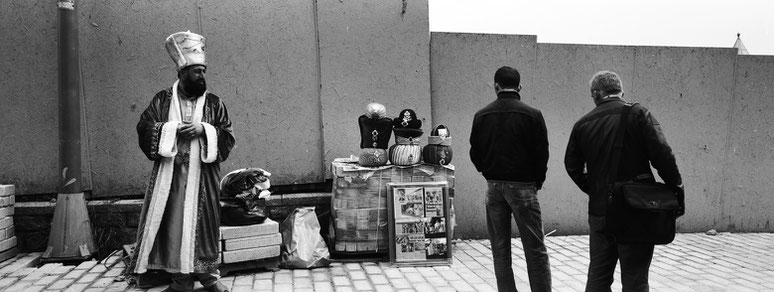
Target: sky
x,y
679,23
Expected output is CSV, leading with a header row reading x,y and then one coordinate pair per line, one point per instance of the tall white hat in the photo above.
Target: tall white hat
x,y
186,49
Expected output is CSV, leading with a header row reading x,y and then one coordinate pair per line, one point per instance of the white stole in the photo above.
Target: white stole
x,y
204,149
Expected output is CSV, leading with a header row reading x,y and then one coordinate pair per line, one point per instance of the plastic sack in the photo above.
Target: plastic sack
x,y
243,197
302,245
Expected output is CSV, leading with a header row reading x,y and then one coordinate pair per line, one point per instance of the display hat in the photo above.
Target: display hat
x,y
186,49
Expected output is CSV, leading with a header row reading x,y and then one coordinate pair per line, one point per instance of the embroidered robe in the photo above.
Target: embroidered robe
x,y
179,223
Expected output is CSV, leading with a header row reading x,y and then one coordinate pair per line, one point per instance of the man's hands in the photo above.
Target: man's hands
x,y
680,192
190,131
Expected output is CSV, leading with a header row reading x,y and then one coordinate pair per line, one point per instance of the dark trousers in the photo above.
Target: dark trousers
x,y
506,199
185,282
605,252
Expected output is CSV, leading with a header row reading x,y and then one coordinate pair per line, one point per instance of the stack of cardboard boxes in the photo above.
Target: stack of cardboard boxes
x,y
8,248
250,246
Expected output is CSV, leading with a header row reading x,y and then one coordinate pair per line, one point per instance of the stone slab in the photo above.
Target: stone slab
x,y
252,242
267,227
250,254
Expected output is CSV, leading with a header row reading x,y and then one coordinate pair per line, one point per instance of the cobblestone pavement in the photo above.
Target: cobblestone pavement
x,y
693,262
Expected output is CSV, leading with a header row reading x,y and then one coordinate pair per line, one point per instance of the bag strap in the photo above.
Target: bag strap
x,y
618,142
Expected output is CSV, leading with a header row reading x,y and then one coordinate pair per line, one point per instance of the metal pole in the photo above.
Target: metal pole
x,y
69,100
70,238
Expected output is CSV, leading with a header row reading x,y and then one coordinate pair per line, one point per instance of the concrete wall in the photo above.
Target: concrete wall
x,y
712,106
747,191
295,75
370,51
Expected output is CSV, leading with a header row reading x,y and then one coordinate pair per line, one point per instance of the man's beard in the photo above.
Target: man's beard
x,y
194,88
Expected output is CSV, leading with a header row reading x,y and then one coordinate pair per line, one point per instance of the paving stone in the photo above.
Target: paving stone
x,y
301,273
86,265
61,284
74,274
243,280
400,283
7,281
362,285
341,281
242,289
283,287
357,275
302,283
77,287
378,279
344,289
45,281
323,287
284,278
102,282
88,278
321,277
383,288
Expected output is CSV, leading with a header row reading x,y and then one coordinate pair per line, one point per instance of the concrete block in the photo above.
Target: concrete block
x,y
6,222
6,211
7,243
252,242
7,254
267,227
7,190
250,254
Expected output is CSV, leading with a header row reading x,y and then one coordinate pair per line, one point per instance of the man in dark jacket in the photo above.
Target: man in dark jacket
x,y
509,146
588,161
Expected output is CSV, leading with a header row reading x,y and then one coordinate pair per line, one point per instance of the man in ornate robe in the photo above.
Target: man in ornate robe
x,y
186,131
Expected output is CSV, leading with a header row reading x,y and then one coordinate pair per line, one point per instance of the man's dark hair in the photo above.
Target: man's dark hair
x,y
507,77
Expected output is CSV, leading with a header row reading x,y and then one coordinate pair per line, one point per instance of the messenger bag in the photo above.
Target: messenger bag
x,y
640,210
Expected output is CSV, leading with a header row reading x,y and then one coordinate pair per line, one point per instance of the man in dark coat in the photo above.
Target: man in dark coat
x,y
509,146
588,161
186,132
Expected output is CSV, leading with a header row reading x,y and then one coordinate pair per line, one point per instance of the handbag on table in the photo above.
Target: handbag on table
x,y
640,210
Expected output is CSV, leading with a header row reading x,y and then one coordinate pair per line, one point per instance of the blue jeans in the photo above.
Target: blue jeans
x,y
605,252
504,199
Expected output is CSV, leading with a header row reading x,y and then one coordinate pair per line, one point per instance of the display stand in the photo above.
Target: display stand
x,y
419,215
359,221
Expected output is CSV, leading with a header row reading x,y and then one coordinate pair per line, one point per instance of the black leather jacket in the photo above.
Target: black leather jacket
x,y
509,141
589,151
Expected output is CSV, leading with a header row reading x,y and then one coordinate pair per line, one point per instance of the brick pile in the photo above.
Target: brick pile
x,y
8,247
